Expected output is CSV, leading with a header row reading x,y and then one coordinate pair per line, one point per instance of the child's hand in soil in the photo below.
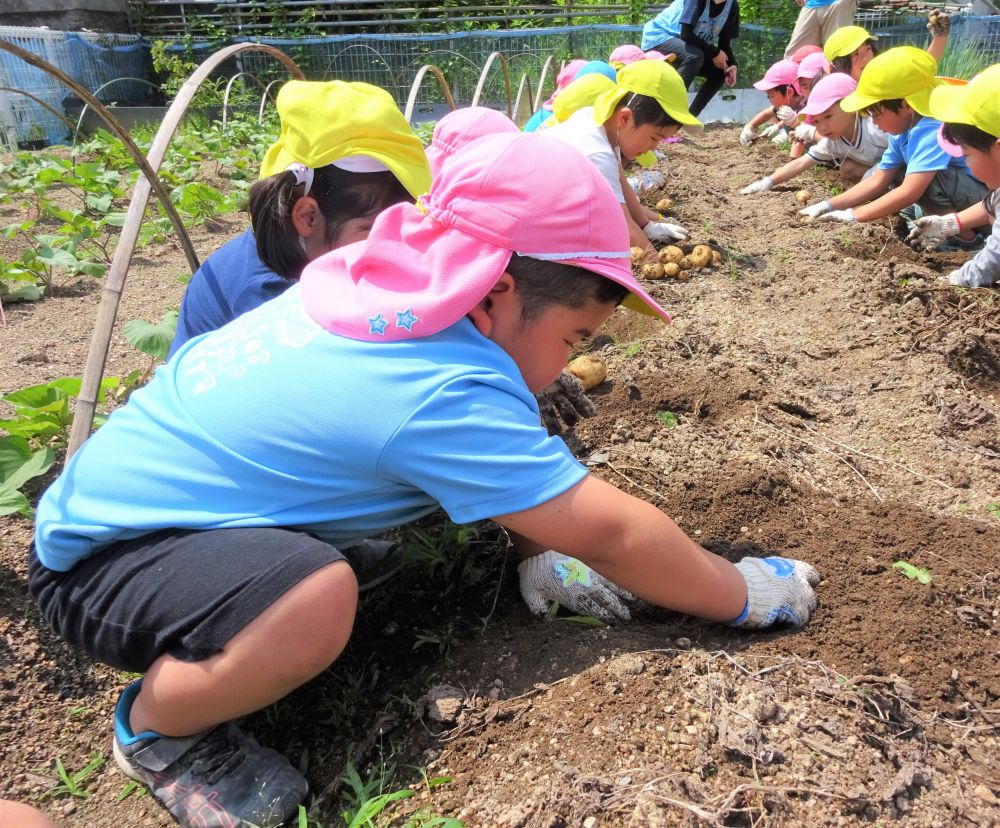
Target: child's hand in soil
x,y
779,590
846,216
566,399
664,231
574,585
928,232
747,135
814,210
760,186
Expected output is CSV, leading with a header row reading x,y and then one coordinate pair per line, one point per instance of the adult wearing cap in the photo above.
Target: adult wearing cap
x,y
646,105
817,20
895,90
207,554
700,33
344,153
970,117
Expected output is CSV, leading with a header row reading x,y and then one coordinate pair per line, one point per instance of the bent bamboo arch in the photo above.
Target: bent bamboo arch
x,y
114,283
483,75
411,100
52,110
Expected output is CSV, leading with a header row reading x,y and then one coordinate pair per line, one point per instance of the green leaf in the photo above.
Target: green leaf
x,y
667,418
993,509
152,339
11,501
39,463
914,573
14,452
100,204
582,620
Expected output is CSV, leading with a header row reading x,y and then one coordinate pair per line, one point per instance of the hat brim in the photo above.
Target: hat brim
x,y
946,104
855,102
604,108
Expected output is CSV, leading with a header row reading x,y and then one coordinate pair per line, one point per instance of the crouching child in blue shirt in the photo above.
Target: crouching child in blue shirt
x,y
197,536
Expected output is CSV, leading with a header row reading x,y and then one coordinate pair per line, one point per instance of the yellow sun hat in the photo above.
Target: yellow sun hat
x,y
905,72
322,122
580,93
977,103
844,41
655,79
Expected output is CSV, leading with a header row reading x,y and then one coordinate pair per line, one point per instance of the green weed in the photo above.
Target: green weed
x,y
993,509
441,639
914,573
667,418
72,784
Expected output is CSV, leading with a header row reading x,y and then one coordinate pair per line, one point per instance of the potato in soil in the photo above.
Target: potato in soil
x,y
637,254
670,253
700,256
802,197
653,270
590,370
663,205
671,269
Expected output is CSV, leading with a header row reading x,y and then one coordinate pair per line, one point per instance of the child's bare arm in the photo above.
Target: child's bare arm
x,y
792,169
636,546
909,192
872,187
762,117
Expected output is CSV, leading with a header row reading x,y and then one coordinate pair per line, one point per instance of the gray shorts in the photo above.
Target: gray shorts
x,y
950,191
184,593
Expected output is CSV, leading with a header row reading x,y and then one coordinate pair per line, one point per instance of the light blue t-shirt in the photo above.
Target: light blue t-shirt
x,y
274,421
818,4
918,150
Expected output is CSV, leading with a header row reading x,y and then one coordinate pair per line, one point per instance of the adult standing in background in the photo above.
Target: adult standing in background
x,y
817,20
700,33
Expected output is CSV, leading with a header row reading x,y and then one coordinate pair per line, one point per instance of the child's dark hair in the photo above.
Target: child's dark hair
x,y
893,105
968,135
340,194
542,284
843,63
781,88
646,110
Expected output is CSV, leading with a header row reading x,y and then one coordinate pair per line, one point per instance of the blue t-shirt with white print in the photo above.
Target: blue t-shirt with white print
x,y
918,150
274,421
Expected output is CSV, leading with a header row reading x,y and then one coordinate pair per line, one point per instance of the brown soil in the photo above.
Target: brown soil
x,y
835,402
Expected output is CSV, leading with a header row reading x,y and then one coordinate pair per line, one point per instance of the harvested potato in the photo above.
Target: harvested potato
x,y
684,263
671,269
700,256
805,219
590,370
716,257
654,270
683,275
664,204
637,254
803,197
670,253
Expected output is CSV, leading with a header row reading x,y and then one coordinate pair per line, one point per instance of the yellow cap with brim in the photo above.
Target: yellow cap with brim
x,y
845,40
322,122
977,103
905,72
580,93
655,79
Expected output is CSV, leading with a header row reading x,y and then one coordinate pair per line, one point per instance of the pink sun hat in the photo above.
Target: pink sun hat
x,y
423,267
812,64
624,55
652,54
565,77
828,91
782,73
803,52
459,127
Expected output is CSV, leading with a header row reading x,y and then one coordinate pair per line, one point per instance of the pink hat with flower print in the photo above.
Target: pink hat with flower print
x,y
624,55
828,91
782,73
459,127
565,77
423,267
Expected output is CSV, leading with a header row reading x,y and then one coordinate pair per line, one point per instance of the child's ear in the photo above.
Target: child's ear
x,y
306,217
496,305
625,116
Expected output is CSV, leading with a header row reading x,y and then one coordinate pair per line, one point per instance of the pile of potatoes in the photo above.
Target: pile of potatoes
x,y
674,263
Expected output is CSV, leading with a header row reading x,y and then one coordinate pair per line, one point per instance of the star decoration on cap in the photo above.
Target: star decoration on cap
x,y
406,319
377,324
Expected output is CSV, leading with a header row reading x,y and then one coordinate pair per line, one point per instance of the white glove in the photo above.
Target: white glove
x,y
778,590
664,231
787,116
805,133
771,131
747,135
780,137
761,186
646,180
817,209
928,232
573,585
845,216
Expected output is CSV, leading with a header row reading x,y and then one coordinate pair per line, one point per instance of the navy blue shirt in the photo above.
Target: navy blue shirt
x,y
230,282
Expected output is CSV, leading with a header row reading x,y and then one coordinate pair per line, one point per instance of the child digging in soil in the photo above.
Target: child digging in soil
x,y
847,140
781,84
971,118
894,90
196,536
647,104
345,153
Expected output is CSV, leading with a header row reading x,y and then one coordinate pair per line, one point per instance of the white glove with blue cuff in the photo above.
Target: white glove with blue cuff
x,y
779,590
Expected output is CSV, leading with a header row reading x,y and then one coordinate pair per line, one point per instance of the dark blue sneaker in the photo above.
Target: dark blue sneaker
x,y
220,778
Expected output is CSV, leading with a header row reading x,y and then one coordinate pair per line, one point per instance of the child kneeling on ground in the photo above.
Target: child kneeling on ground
x,y
781,84
197,536
847,140
894,90
971,117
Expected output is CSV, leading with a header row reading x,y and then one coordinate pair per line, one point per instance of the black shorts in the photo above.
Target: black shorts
x,y
185,593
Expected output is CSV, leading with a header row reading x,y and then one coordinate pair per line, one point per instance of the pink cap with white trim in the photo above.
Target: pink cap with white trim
x,y
782,73
827,92
425,266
